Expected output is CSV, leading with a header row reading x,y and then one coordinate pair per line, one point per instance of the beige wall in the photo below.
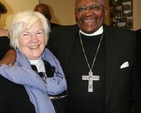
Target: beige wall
x,y
13,7
136,14
63,12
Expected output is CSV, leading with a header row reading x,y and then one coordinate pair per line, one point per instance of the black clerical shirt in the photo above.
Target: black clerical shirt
x,y
80,100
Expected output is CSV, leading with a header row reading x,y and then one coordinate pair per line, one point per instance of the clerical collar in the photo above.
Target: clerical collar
x,y
39,64
98,32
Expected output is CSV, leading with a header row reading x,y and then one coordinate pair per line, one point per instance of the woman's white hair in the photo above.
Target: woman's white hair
x,y
29,18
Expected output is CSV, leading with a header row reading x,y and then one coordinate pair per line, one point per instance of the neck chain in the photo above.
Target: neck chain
x,y
90,68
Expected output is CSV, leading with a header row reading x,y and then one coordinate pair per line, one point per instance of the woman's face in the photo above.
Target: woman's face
x,y
32,41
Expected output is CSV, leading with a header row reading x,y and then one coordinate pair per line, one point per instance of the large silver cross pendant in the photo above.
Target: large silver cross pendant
x,y
90,79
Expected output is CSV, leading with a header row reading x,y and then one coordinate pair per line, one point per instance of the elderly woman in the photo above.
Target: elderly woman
x,y
36,77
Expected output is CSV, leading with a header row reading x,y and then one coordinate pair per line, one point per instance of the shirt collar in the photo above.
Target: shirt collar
x,y
39,64
98,32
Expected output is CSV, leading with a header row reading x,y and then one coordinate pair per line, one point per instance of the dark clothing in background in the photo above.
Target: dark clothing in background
x,y
4,46
54,25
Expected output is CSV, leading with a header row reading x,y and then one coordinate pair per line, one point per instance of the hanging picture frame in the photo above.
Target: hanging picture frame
x,y
121,13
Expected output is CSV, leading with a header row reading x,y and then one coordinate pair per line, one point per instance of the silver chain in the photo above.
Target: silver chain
x,y
85,52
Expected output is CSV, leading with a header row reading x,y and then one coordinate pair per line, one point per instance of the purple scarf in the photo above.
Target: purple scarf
x,y
22,73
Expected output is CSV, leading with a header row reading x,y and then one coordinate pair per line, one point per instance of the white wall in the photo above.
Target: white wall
x,y
13,7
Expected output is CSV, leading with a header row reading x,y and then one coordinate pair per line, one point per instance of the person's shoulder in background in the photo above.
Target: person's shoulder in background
x,y
4,45
54,25
138,32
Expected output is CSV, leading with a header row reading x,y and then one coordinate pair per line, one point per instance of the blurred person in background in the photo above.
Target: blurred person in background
x,y
44,9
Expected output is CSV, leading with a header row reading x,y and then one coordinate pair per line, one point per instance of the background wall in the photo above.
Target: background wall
x,y
62,11
13,6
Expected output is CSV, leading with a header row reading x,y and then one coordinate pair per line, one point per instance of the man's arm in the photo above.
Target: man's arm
x,y
9,58
7,54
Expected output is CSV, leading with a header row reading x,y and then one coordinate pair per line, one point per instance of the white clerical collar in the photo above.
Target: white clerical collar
x,y
98,32
39,64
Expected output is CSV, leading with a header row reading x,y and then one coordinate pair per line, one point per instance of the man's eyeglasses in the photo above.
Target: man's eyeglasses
x,y
92,7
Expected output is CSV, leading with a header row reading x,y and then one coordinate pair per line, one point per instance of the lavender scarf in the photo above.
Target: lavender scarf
x,y
22,73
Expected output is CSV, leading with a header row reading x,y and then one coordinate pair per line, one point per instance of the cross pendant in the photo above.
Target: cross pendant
x,y
90,79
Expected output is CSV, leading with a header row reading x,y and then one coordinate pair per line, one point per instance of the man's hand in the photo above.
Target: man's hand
x,y
9,58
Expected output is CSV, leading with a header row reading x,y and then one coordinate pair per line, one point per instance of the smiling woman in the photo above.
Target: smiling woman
x,y
32,41
29,33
